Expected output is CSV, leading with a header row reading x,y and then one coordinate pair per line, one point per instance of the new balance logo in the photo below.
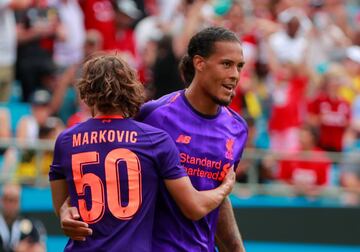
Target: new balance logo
x,y
183,139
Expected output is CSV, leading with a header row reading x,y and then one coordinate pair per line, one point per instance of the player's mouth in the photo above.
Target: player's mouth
x,y
228,87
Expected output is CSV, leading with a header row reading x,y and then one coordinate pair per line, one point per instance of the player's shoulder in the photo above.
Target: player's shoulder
x,y
153,133
149,130
68,132
154,105
239,120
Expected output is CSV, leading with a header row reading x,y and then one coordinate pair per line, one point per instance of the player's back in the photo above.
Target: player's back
x,y
113,167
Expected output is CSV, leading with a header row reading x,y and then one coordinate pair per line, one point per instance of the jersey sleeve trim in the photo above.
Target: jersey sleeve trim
x,y
149,107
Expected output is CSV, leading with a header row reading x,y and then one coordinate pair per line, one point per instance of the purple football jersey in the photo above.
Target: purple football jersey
x,y
208,146
112,167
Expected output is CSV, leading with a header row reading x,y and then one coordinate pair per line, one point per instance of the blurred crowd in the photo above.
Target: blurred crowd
x,y
299,90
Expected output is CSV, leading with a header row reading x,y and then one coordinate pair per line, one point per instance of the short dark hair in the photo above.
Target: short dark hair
x,y
202,44
110,84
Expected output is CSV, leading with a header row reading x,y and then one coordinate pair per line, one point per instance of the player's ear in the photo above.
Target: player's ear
x,y
199,63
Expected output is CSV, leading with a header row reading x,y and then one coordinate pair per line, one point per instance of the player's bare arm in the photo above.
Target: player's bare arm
x,y
228,236
59,193
196,204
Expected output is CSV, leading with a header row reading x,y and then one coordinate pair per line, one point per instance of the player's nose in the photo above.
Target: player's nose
x,y
234,74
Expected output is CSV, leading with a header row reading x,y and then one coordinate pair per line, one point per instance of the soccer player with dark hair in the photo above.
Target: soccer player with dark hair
x,y
111,165
210,137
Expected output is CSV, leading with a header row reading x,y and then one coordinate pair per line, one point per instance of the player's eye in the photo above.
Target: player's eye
x,y
240,66
226,64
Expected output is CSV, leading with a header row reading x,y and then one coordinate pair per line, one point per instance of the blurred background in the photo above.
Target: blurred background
x,y
299,180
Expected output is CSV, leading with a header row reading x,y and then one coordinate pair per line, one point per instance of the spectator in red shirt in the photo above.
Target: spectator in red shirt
x,y
126,12
308,168
99,15
330,113
288,88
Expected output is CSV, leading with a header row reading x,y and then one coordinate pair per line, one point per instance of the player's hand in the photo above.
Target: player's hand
x,y
73,228
229,180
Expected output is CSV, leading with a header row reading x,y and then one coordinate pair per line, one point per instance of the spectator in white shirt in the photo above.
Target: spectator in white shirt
x,y
69,51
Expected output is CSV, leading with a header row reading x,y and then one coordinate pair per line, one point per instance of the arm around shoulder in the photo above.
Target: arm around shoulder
x,y
196,204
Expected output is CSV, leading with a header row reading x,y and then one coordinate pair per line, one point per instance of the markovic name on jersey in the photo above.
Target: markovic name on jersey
x,y
104,136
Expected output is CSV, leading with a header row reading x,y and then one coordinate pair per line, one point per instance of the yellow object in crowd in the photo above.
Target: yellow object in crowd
x,y
253,104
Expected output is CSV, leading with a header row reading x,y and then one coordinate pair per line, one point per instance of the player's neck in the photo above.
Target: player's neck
x,y
200,101
115,113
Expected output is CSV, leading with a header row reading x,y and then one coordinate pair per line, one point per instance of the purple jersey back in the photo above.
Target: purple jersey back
x,y
113,168
208,145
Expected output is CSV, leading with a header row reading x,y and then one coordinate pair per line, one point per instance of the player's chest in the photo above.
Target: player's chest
x,y
200,140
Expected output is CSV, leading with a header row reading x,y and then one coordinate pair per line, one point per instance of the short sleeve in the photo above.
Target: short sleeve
x,y
56,170
145,110
167,157
150,106
241,152
242,137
